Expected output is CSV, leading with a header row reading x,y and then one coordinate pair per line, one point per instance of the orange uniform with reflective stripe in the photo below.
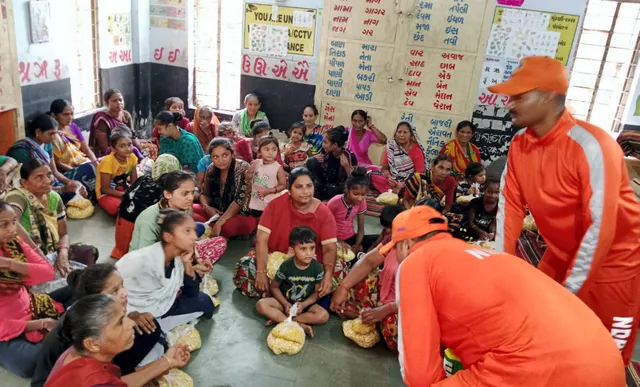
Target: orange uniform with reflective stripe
x,y
510,324
575,183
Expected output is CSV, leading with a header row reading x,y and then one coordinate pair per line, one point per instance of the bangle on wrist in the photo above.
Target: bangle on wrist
x,y
168,360
341,285
261,271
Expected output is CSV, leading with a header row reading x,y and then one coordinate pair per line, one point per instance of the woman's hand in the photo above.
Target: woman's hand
x,y
74,186
203,267
217,228
356,249
345,163
144,322
210,211
326,286
178,355
262,282
372,316
61,265
47,323
319,157
248,174
339,299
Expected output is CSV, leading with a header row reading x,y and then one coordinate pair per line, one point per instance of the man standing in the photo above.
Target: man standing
x,y
572,177
509,324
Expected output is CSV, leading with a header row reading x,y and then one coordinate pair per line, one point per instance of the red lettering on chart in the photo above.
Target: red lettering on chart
x,y
56,70
375,11
416,63
367,32
125,56
374,1
417,53
157,53
173,55
122,56
329,108
41,69
280,70
24,72
113,57
246,64
260,67
301,71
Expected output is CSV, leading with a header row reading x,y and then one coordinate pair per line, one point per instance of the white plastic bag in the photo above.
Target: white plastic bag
x,y
287,337
185,334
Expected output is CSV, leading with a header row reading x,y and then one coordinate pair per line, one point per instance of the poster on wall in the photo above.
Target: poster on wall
x,y
280,42
40,20
168,14
7,87
169,40
114,23
520,29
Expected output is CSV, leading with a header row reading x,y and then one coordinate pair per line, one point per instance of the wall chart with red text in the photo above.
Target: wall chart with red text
x,y
408,60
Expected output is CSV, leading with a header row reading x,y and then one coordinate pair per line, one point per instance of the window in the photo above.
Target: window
x,y
85,81
218,40
605,62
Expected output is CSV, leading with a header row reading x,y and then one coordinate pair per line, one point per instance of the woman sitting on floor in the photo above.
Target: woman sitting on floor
x,y
100,279
331,168
26,317
37,145
164,279
370,293
313,133
42,215
402,157
99,330
436,183
114,119
295,208
178,189
362,134
8,170
461,150
204,125
142,194
242,118
226,192
177,141
72,155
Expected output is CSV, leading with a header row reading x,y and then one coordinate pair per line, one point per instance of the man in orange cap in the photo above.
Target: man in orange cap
x,y
509,324
573,178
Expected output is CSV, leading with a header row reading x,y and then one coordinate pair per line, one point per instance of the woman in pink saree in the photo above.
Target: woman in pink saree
x,y
361,135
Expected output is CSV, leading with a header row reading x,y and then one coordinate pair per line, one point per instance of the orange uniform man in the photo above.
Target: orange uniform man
x,y
509,324
572,177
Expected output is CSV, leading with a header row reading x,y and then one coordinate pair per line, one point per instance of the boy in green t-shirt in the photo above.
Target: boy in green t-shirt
x,y
297,282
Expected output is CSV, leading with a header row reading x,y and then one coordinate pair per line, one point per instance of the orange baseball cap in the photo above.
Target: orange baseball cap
x,y
535,73
414,223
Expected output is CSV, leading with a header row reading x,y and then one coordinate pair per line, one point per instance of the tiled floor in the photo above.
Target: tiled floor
x,y
234,348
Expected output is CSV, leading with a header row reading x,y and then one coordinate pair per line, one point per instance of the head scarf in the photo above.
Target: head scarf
x,y
204,136
400,164
163,164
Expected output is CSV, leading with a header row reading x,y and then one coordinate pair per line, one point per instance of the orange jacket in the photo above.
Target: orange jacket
x,y
510,324
576,185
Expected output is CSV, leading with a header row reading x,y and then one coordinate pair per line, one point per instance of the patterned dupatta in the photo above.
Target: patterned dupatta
x,y
34,149
400,164
43,221
66,148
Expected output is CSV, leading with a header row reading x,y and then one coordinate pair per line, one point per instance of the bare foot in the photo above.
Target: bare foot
x,y
307,329
269,323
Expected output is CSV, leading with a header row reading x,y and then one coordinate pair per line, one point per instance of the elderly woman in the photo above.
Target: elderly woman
x,y
25,317
226,193
42,215
295,208
251,112
402,157
460,150
142,194
436,183
41,132
98,329
71,152
204,125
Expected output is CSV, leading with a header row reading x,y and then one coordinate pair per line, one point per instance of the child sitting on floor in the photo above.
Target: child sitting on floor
x,y
267,176
297,151
173,104
261,129
115,172
297,281
345,207
475,173
483,211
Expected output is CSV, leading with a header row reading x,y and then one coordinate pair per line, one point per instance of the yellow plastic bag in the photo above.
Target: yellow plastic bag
x,y
466,199
388,198
287,337
529,224
274,260
209,286
365,335
79,208
344,252
185,334
175,378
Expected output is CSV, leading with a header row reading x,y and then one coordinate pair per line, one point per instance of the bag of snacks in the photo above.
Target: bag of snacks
x,y
529,224
465,200
79,207
209,286
274,260
365,335
344,252
451,363
185,334
388,198
175,378
287,337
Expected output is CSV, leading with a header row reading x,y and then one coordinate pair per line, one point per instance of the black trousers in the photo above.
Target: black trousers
x,y
323,190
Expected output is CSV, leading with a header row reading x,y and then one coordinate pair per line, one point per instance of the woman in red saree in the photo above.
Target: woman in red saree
x,y
461,150
204,125
295,208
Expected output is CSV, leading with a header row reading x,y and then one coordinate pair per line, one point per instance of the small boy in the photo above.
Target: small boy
x,y
297,282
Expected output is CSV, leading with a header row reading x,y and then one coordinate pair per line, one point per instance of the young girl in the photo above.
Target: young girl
x,y
361,135
204,125
475,173
483,211
115,172
297,151
241,145
260,129
268,177
242,119
347,206
173,105
177,141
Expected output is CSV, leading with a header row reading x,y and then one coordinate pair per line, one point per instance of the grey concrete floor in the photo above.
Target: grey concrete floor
x,y
234,344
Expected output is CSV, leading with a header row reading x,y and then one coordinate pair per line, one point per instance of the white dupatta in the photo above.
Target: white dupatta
x,y
143,273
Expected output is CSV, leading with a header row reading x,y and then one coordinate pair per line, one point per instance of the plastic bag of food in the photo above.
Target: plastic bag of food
x,y
175,378
365,335
185,334
344,252
388,198
451,362
274,260
529,224
490,245
465,200
79,207
209,286
287,337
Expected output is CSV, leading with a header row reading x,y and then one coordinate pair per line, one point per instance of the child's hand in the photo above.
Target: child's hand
x,y
345,163
288,151
287,309
356,249
320,157
484,236
264,191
